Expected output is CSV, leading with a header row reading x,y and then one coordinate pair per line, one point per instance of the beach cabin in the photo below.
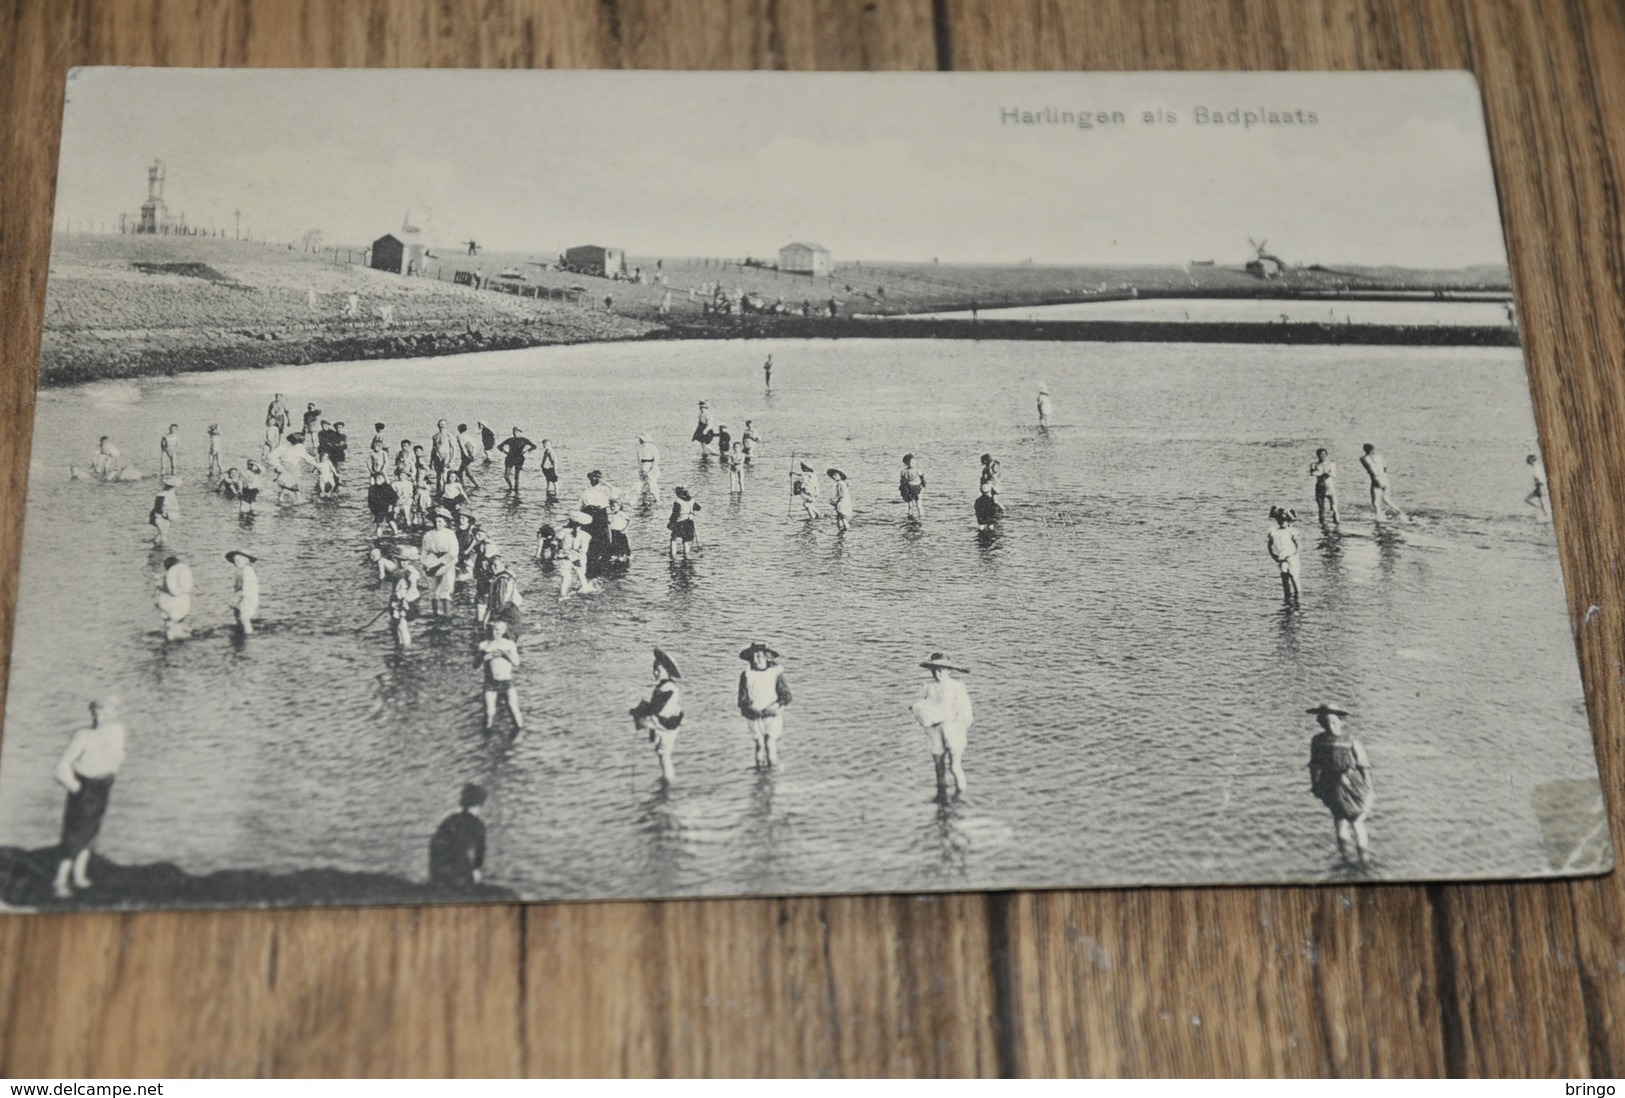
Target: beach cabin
x,y
595,260
812,259
400,253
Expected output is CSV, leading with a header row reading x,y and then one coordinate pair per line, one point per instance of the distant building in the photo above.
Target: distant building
x,y
402,252
812,259
595,260
154,214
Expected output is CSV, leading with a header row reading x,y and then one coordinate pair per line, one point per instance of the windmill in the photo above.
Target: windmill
x,y
1264,264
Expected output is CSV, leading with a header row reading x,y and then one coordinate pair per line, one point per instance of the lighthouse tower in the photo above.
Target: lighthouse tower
x,y
154,214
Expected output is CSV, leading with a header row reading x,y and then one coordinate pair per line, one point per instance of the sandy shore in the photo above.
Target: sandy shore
x,y
26,876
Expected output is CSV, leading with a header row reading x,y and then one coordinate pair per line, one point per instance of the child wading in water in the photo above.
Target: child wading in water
x,y
681,523
1284,544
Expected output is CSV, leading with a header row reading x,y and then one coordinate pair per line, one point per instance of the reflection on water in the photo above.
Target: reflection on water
x,y
1139,690
1419,311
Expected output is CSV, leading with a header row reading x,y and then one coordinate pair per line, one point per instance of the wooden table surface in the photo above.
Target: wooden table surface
x,y
1445,979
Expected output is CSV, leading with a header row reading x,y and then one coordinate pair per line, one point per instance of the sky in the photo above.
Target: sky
x,y
879,166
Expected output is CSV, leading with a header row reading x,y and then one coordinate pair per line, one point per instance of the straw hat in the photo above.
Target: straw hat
x,y
581,518
667,664
172,482
755,647
1328,707
251,558
939,662
406,552
682,493
805,468
834,472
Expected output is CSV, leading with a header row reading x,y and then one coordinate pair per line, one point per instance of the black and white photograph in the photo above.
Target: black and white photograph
x,y
455,486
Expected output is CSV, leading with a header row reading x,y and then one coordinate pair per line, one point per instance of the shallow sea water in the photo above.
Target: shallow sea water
x,y
1139,690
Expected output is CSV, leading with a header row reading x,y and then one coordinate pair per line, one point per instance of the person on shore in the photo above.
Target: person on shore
x,y
106,463
86,770
548,545
488,440
245,601
457,848
1340,778
468,448
499,656
1045,407
987,508
662,714
681,523
503,597
944,711
216,468
165,510
842,500
702,429
439,553
577,544
404,594
990,471
910,484
736,469
648,466
767,373
1284,546
444,454
253,483
804,490
595,501
169,451
277,418
749,440
620,549
514,448
763,694
1324,470
1377,469
175,597
1538,495
550,471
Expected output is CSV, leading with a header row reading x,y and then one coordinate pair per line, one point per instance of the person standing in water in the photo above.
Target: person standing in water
x,y
106,462
662,714
86,770
763,694
245,601
515,447
404,594
1324,470
910,483
169,450
444,455
748,440
175,597
253,483
1377,469
457,848
439,552
1538,495
987,508
649,466
468,448
215,467
681,523
767,373
165,510
735,458
804,489
1045,408
550,471
1340,778
488,440
277,418
842,499
499,656
1284,546
702,429
990,471
944,711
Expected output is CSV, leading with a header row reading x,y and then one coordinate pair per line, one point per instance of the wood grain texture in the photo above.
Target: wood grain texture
x,y
1479,979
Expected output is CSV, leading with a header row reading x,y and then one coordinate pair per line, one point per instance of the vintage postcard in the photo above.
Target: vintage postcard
x,y
477,486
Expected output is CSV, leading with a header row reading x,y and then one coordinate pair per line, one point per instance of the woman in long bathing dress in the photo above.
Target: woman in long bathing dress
x,y
1340,776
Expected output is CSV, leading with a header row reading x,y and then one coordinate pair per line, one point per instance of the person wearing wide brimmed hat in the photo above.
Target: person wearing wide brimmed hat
x,y
576,544
595,502
620,549
503,600
1284,545
404,593
245,602
842,498
440,553
763,694
1045,407
804,487
681,522
165,510
1340,776
662,714
702,429
944,711
648,455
